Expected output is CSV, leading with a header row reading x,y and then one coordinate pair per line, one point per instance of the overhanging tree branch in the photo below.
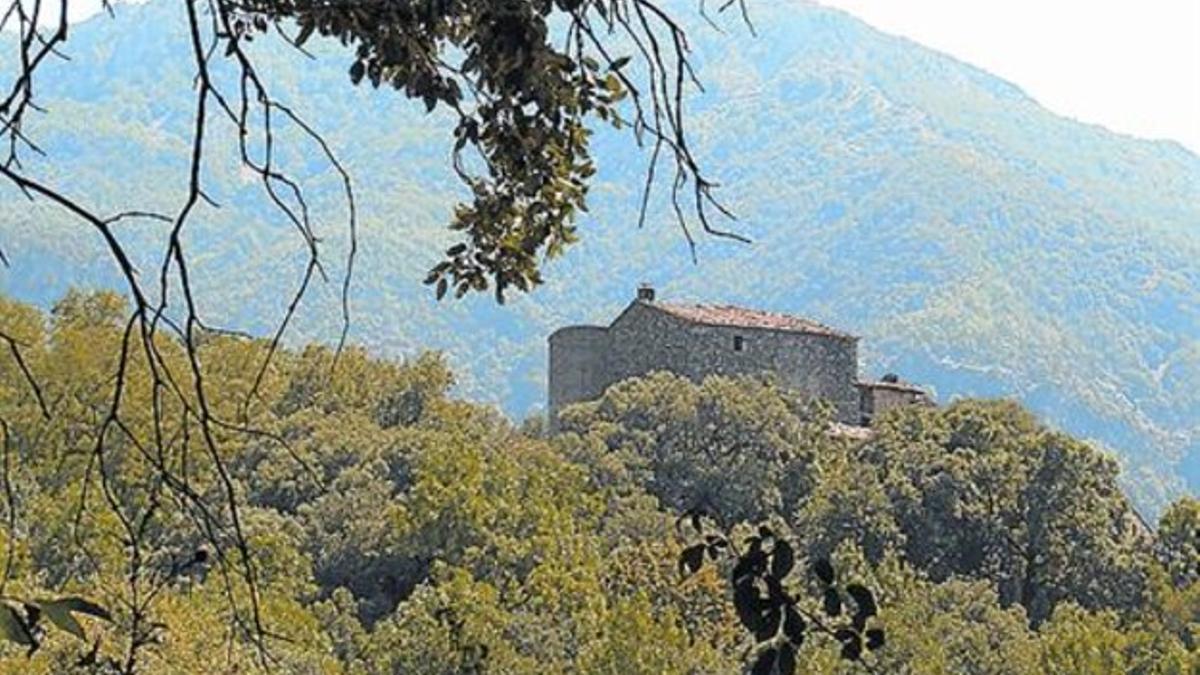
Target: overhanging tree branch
x,y
520,146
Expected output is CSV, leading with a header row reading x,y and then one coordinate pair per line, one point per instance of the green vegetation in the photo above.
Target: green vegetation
x,y
396,529
978,243
181,498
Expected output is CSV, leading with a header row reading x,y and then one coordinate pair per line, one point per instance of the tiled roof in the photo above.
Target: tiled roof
x,y
727,315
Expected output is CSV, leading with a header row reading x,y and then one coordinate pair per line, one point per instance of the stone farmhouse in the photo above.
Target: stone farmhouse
x,y
696,341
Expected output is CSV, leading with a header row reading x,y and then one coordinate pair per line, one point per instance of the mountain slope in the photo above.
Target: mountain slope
x,y
977,242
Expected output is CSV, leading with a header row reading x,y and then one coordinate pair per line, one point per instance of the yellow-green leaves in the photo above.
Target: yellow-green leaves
x,y
21,623
395,528
60,612
13,626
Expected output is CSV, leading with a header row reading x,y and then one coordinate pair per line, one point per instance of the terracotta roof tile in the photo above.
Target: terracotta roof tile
x,y
728,315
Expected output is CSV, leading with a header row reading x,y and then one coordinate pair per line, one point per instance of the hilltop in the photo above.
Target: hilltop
x,y
978,242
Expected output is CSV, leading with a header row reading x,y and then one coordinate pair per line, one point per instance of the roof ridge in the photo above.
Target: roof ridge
x,y
748,317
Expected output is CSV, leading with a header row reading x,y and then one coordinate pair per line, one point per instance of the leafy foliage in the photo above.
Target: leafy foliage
x,y
521,102
534,76
1042,259
22,622
757,444
1179,540
770,612
399,529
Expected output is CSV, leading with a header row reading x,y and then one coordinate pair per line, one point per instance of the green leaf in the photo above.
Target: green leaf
x,y
769,625
875,639
619,63
691,560
60,616
824,570
865,602
851,645
833,602
59,612
83,606
793,626
13,628
748,603
306,31
751,563
787,660
863,598
783,559
612,84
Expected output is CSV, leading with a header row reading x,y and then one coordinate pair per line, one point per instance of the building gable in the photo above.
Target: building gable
x,y
698,341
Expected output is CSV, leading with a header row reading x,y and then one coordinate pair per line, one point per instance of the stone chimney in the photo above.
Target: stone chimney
x,y
645,293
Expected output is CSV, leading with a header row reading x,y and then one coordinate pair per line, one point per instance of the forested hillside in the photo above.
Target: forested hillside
x,y
396,528
977,242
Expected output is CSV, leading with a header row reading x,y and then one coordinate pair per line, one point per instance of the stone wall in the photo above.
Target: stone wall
x,y
577,368
586,360
644,339
879,397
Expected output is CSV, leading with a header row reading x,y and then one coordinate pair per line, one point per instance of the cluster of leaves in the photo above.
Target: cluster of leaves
x,y
767,607
21,621
1179,540
974,498
526,82
393,528
524,105
758,445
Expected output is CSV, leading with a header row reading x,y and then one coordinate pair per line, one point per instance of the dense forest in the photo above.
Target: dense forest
x,y
396,529
979,244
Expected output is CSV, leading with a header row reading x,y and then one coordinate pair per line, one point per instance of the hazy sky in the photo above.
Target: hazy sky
x,y
1130,65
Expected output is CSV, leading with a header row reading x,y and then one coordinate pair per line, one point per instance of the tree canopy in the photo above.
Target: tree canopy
x,y
395,528
326,510
527,81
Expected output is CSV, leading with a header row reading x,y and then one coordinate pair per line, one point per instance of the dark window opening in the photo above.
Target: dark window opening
x,y
738,343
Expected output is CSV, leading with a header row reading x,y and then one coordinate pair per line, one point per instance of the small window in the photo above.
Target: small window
x,y
738,343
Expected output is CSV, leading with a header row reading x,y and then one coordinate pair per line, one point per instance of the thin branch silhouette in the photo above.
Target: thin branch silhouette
x,y
164,331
